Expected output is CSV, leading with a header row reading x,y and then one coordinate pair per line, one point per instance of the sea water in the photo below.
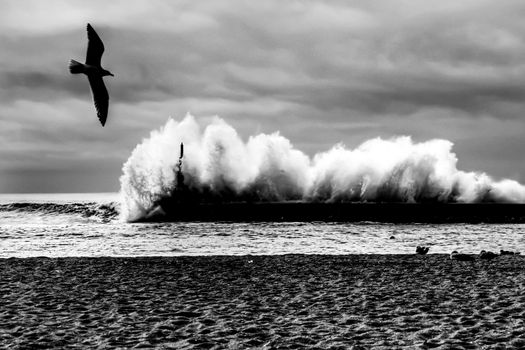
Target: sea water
x,y
62,225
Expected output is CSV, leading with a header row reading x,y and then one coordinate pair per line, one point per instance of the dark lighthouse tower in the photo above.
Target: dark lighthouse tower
x,y
180,175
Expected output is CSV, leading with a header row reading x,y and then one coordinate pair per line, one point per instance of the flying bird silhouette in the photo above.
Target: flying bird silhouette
x,y
94,72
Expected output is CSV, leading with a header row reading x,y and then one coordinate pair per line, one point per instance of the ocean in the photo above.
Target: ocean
x,y
89,225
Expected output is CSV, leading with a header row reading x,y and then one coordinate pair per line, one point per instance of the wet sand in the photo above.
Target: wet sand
x,y
292,301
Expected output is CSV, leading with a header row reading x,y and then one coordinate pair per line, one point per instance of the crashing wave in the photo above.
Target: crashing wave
x,y
220,166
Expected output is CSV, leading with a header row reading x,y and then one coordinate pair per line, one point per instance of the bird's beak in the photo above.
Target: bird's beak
x,y
111,74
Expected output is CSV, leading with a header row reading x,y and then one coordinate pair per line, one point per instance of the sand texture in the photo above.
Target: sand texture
x,y
293,301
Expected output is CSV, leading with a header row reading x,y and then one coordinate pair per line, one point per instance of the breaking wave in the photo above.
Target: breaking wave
x,y
104,212
219,166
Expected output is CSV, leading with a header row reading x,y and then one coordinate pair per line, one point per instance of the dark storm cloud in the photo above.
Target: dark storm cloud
x,y
324,54
321,72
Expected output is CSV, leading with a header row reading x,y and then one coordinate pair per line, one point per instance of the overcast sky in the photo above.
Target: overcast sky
x,y
321,72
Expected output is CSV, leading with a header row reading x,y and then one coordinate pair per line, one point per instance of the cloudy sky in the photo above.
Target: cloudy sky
x,y
321,72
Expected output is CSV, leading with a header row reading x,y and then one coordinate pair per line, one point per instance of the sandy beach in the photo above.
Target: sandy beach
x,y
291,301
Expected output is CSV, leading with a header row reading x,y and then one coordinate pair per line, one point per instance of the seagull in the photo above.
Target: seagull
x,y
461,257
487,255
94,72
508,252
422,250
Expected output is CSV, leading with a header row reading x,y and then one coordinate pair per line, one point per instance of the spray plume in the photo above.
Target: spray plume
x,y
219,166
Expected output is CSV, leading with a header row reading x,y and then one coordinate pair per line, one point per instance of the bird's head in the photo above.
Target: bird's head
x,y
107,72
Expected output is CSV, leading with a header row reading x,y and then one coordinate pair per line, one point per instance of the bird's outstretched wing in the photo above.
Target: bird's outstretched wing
x,y
100,97
95,47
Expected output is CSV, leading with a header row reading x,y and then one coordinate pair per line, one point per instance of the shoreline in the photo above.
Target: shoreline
x,y
517,255
278,301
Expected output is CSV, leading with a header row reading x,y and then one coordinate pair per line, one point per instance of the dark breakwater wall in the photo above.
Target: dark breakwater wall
x,y
342,212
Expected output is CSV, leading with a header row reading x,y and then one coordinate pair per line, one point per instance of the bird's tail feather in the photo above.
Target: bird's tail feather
x,y
75,67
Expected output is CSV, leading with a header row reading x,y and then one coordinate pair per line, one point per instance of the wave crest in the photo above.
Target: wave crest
x,y
105,212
